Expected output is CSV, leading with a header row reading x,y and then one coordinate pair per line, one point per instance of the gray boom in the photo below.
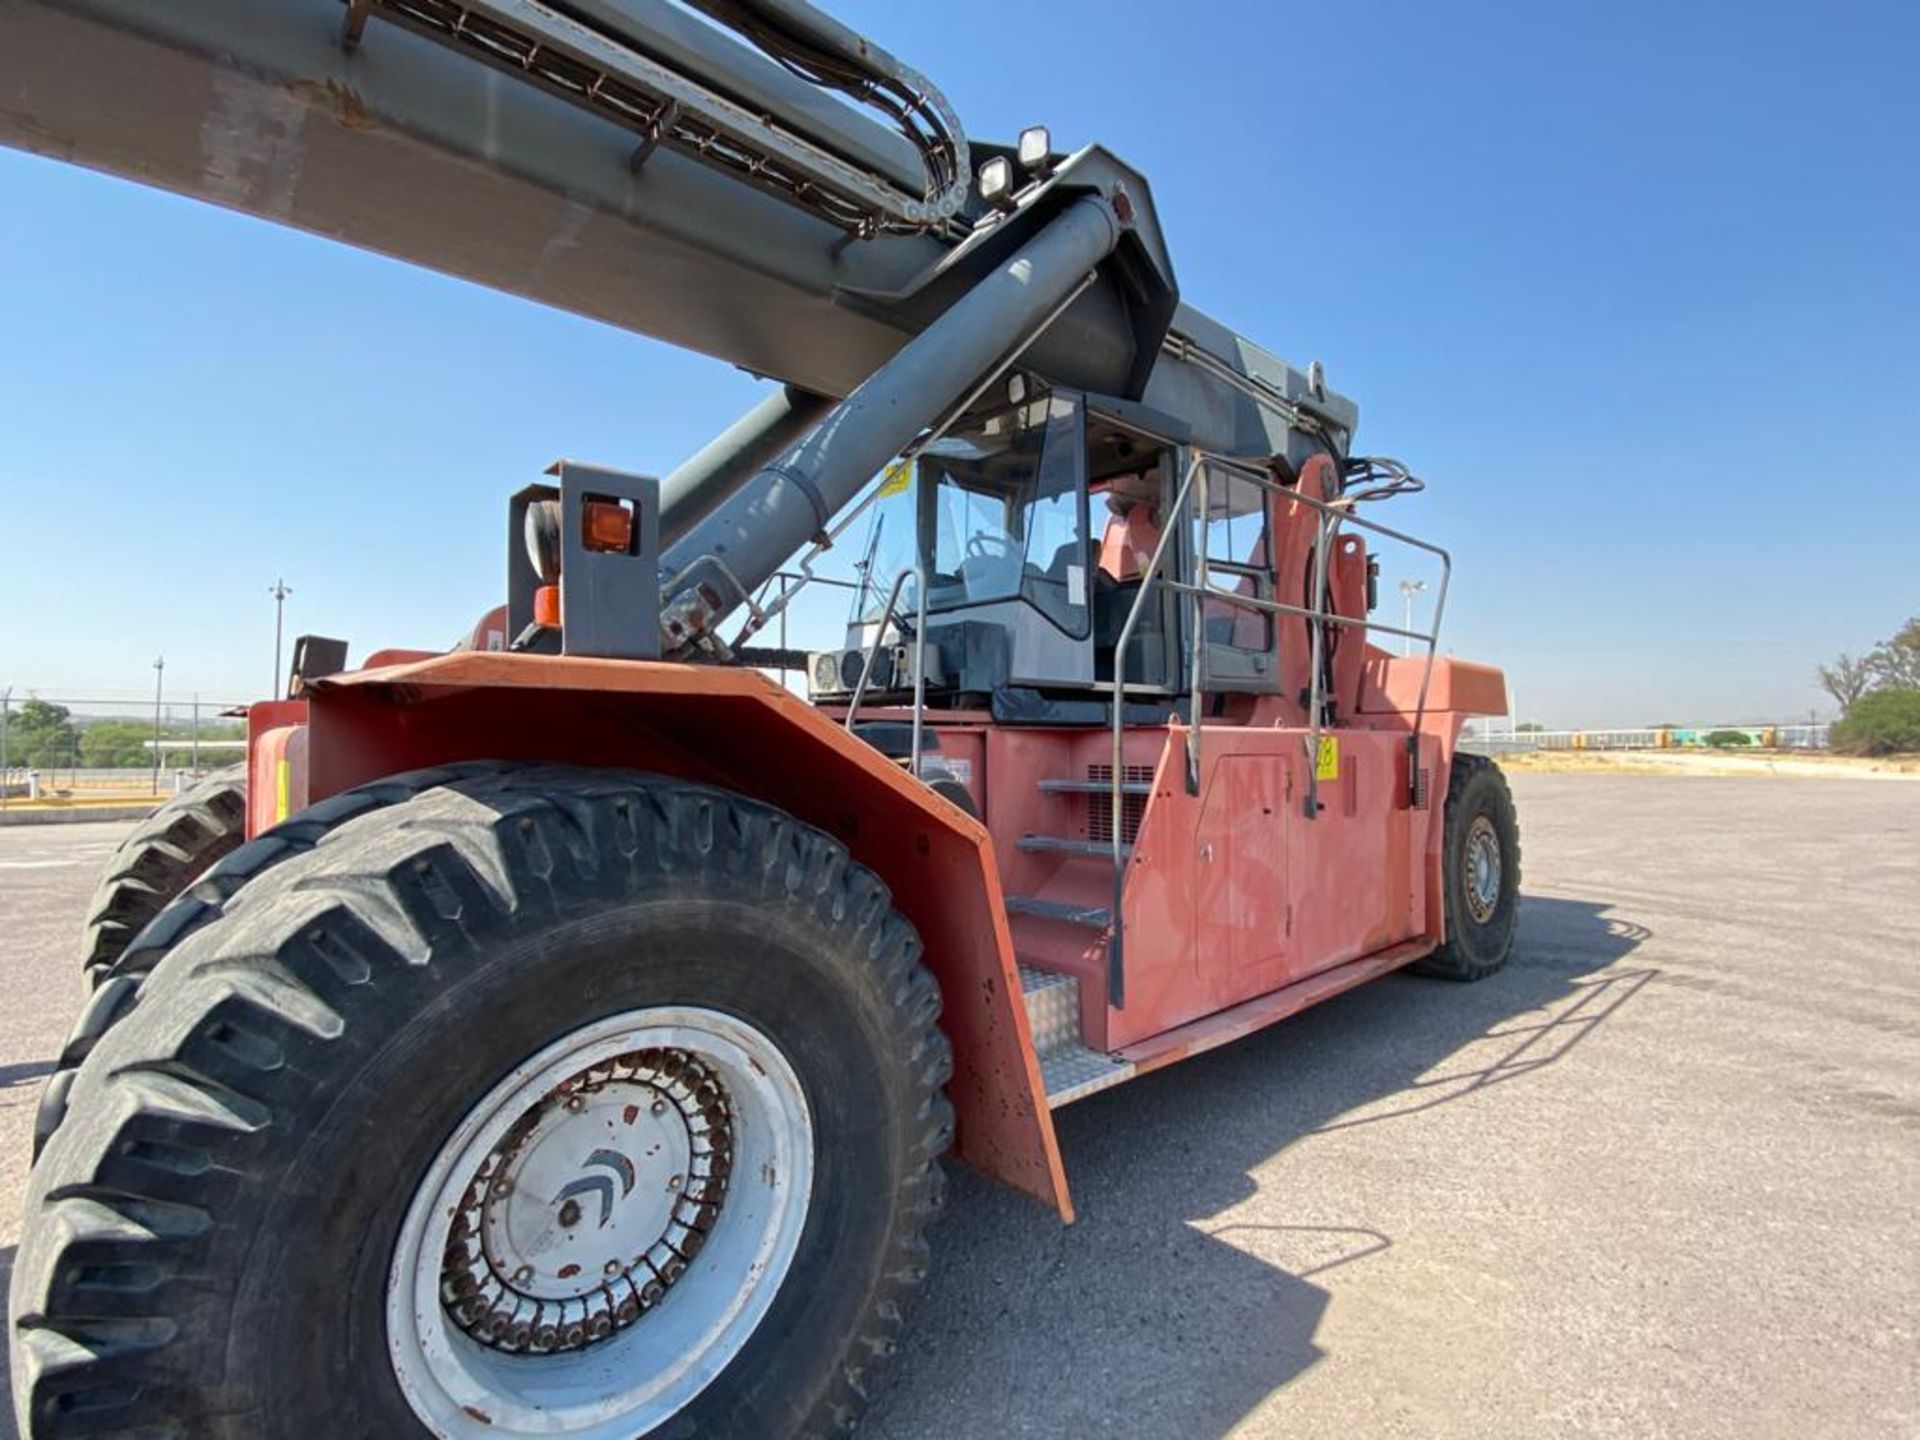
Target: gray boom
x,y
630,161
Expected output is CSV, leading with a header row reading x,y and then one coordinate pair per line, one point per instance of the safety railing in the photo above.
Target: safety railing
x,y
1331,517
889,615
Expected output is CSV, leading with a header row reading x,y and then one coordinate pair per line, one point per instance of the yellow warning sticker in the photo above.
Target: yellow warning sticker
x,y
895,478
1326,765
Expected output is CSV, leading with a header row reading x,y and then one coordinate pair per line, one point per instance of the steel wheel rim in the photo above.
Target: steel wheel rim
x,y
582,1174
1480,860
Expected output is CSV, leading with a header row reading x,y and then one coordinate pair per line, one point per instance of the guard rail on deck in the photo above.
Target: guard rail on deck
x,y
1330,516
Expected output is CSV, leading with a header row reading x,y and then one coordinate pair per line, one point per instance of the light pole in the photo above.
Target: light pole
x,y
279,590
159,674
1409,589
6,767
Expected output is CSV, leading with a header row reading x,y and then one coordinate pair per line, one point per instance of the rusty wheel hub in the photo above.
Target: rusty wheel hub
x,y
588,1210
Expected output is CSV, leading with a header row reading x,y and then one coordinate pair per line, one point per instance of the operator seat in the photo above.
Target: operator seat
x,y
1121,557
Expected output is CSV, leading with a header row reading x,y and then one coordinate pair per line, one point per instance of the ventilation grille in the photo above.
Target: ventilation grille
x,y
1100,803
1420,783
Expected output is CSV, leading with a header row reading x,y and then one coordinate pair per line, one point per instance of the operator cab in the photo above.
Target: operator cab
x,y
1037,520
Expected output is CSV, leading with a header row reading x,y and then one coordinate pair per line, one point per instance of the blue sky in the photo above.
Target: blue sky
x,y
1634,286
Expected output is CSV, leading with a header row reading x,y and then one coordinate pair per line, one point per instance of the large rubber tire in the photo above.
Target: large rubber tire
x,y
1480,928
167,852
208,1235
118,986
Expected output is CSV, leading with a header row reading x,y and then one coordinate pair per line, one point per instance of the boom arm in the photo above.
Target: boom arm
x,y
466,152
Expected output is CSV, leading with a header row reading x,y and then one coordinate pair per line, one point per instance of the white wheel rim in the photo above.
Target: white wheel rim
x,y
576,1153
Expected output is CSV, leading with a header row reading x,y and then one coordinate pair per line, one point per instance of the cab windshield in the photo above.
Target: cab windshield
x,y
1002,509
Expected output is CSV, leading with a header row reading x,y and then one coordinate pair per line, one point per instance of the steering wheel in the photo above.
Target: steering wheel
x,y
985,545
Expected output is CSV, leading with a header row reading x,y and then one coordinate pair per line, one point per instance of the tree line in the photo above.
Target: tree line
x,y
40,735
1878,694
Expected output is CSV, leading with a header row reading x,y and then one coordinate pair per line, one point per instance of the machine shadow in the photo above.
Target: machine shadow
x,y
1135,1320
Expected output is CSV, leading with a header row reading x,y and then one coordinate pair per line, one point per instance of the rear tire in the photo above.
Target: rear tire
x,y
165,854
216,1234
1480,873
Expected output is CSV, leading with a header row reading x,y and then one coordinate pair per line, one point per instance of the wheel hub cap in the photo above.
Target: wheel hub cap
x,y
1482,863
591,1206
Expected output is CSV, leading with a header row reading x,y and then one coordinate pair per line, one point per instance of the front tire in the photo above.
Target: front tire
x,y
237,1229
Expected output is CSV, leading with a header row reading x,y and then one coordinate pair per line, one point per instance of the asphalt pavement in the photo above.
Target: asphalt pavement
x,y
1661,1177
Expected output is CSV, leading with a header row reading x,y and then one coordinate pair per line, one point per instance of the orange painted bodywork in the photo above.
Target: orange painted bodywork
x,y
1238,909
737,729
1232,895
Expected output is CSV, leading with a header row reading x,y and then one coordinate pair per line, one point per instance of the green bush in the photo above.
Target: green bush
x,y
1881,722
1726,739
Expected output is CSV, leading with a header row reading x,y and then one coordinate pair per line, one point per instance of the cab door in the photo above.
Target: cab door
x,y
1232,559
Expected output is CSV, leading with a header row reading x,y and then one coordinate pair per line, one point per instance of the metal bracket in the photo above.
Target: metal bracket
x,y
609,600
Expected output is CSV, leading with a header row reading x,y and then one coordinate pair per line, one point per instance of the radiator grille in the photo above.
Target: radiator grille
x,y
1100,803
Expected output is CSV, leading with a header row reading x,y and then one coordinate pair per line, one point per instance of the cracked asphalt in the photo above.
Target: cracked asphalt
x,y
1661,1177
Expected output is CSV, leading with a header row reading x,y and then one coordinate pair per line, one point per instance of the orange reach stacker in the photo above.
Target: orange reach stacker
x,y
562,1035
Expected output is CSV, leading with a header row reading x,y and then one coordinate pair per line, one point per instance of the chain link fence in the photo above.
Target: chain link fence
x,y
75,748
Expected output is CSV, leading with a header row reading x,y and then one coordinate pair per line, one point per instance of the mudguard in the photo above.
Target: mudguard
x,y
733,728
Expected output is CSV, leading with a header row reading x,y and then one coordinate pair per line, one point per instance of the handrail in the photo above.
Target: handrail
x,y
1340,514
879,638
1116,965
933,432
1331,516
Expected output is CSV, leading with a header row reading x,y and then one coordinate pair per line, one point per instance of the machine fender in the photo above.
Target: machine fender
x,y
738,729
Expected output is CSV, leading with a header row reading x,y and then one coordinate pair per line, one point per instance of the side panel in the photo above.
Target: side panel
x,y
737,729
1240,860
1235,893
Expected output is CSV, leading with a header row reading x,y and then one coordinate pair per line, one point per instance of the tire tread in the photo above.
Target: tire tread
x,y
266,954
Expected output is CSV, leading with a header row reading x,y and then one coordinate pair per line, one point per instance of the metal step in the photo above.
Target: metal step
x,y
1095,787
1053,1008
1097,916
1062,845
1069,1069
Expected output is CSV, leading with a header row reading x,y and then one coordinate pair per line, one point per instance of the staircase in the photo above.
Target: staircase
x,y
1068,1069
1077,893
